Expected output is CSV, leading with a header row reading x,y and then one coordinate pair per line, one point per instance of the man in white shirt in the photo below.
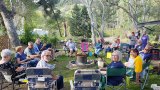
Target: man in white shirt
x,y
72,47
45,58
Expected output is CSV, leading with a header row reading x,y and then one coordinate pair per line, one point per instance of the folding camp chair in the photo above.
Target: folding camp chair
x,y
40,78
86,79
116,72
84,47
7,76
145,73
124,47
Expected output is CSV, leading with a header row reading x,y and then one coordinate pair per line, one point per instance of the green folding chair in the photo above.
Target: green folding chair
x,y
115,72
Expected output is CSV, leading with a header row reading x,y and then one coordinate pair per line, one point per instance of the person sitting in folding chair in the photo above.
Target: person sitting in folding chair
x,y
72,47
6,64
115,45
116,63
146,55
45,58
138,45
84,46
23,60
115,72
98,48
138,63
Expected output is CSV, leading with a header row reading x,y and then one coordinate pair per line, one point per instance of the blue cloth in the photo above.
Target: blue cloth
x,y
28,51
139,47
31,63
98,48
21,56
49,45
37,47
115,80
60,82
145,56
108,49
131,46
145,40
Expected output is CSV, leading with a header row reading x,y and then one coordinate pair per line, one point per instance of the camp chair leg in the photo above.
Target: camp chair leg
x,y
145,81
125,88
1,83
13,86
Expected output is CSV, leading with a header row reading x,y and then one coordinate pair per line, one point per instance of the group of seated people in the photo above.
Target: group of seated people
x,y
70,46
29,58
136,63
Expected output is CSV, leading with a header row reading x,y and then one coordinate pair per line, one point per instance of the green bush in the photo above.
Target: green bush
x,y
45,38
53,40
27,35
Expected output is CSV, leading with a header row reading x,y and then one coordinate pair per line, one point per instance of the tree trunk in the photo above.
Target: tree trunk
x,y
88,4
90,13
102,19
9,24
65,29
57,24
130,3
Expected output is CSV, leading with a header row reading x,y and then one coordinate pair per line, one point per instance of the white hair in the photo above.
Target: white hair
x,y
44,53
30,43
119,54
6,52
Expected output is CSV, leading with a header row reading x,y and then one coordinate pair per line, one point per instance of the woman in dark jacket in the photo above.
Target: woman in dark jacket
x,y
116,63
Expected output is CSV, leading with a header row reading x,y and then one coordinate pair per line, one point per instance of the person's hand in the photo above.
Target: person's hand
x,y
32,57
126,64
19,69
28,58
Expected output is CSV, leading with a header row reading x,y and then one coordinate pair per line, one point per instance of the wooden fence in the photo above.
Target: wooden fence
x,y
4,42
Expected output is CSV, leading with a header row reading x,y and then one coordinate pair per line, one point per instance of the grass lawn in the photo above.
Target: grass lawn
x,y
62,61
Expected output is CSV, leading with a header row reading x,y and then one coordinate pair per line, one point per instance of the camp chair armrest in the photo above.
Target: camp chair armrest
x,y
19,76
71,84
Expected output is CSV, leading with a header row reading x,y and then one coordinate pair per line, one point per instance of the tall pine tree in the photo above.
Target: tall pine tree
x,y
80,22
85,24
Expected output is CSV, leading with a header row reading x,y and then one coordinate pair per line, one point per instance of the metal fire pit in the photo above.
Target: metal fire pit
x,y
81,59
81,62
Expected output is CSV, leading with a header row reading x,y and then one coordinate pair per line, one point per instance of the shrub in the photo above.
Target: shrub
x,y
53,40
27,35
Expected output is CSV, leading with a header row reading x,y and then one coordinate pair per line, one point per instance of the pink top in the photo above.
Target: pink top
x,y
84,46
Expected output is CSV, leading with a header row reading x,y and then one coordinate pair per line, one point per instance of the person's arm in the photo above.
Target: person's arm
x,y
19,69
43,46
20,61
34,56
